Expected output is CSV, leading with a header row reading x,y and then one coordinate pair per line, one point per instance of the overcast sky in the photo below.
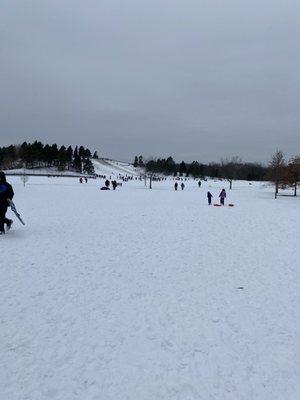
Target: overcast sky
x,y
196,79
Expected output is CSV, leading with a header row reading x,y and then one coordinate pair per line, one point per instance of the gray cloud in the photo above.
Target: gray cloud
x,y
196,79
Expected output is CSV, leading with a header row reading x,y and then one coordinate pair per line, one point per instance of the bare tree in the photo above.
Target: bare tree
x,y
276,169
230,167
292,173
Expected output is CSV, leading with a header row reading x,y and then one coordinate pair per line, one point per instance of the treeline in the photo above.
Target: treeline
x,y
229,169
38,155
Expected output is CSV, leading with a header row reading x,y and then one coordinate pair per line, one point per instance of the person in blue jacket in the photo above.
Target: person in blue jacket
x,y
6,194
209,196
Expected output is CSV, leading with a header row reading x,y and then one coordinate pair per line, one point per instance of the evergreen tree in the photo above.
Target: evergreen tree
x,y
81,152
69,156
54,154
170,166
46,156
182,168
62,158
76,160
88,166
141,162
22,150
87,153
28,155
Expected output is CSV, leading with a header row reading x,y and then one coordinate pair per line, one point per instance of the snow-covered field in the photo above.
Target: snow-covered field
x,y
139,294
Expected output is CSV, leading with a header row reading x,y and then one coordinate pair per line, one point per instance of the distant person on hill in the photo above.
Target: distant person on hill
x,y
182,186
86,179
114,184
199,184
6,194
80,180
176,186
222,196
209,196
107,183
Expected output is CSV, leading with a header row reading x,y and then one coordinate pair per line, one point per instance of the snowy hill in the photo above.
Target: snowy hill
x,y
104,166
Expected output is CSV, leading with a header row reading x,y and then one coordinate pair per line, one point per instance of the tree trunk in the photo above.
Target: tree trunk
x,y
295,189
276,189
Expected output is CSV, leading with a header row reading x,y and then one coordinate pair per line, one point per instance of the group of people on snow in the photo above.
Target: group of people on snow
x,y
176,186
222,194
222,197
7,194
114,185
83,178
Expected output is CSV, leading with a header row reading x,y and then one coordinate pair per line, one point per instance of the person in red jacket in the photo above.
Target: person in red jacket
x,y
6,194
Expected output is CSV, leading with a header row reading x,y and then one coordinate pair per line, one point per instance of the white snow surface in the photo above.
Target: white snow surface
x,y
114,168
134,294
40,171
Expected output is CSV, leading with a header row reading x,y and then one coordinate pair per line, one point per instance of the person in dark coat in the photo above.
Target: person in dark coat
x,y
176,185
199,183
6,194
182,186
209,196
222,196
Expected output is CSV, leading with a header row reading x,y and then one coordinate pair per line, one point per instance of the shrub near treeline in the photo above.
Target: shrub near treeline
x,y
229,169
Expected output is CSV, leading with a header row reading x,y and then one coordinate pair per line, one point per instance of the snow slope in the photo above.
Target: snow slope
x,y
134,294
114,168
102,166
